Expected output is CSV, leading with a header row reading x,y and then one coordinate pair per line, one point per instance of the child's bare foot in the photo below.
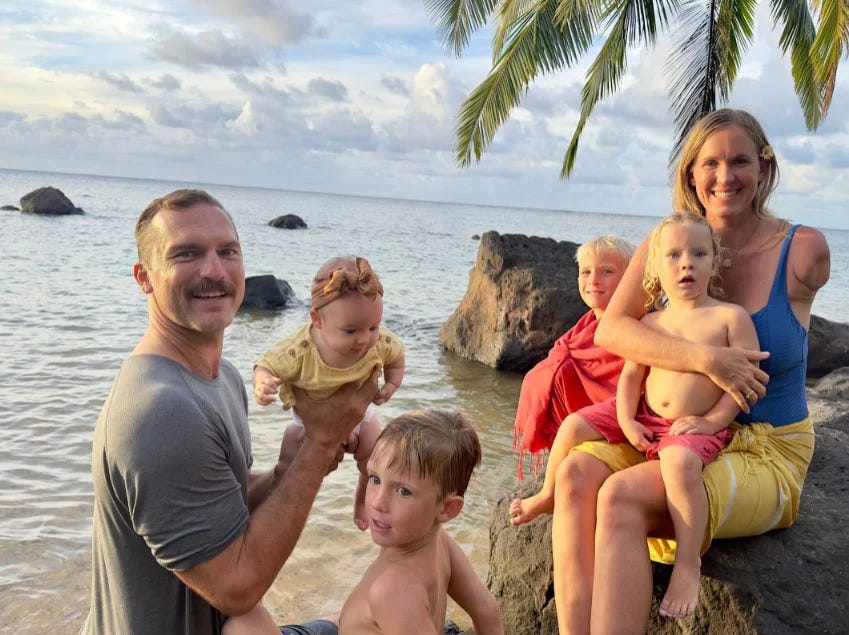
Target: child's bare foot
x,y
524,510
682,595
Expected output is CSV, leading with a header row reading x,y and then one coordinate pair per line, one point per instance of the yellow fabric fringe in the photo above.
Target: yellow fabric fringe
x,y
753,485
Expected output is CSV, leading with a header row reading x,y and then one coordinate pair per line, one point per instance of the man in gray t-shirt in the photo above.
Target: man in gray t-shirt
x,y
184,532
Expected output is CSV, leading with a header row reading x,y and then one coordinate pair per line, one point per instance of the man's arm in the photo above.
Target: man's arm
x,y
236,579
468,591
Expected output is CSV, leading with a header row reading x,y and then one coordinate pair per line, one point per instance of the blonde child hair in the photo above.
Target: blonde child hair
x,y
684,196
606,245
439,445
651,279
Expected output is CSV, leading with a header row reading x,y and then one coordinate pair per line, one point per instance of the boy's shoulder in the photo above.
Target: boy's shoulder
x,y
396,578
398,595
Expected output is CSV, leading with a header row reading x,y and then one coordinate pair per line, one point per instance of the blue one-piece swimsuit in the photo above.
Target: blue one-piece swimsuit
x,y
780,333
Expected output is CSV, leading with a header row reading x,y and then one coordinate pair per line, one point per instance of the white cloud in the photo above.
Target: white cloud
x,y
210,48
274,21
120,81
367,103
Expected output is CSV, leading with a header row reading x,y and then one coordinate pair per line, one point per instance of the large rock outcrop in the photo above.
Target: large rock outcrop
x,y
793,580
266,293
522,296
48,200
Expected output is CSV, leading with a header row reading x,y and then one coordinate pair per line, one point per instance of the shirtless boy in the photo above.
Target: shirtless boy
x,y
417,475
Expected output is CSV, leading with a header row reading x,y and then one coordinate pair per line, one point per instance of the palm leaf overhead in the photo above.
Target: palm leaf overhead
x,y
533,37
712,38
797,36
531,45
828,46
456,20
631,21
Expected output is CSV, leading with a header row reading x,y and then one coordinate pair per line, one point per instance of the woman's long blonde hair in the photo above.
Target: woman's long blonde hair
x,y
684,197
651,279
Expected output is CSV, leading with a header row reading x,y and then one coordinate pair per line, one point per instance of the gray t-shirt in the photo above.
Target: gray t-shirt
x,y
170,469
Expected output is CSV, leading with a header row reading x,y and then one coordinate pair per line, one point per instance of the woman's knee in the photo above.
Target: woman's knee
x,y
621,508
580,475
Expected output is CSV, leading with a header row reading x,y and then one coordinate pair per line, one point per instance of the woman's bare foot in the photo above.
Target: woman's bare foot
x,y
682,595
524,510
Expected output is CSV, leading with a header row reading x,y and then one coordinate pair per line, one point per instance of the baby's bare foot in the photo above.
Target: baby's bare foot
x,y
360,516
524,510
682,595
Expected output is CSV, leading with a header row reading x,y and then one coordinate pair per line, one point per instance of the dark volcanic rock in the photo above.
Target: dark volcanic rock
x,y
48,200
828,346
522,296
10,208
288,221
266,293
835,385
789,581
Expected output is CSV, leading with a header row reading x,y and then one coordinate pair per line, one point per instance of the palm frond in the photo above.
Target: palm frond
x,y
711,42
533,45
797,36
828,46
456,20
630,22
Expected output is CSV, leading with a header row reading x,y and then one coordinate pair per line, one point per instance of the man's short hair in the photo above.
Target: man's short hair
x,y
435,444
177,200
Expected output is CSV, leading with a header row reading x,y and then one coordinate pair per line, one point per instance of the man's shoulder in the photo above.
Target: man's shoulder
x,y
146,376
152,387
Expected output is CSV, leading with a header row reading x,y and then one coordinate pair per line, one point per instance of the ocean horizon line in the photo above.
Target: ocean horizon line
x,y
339,194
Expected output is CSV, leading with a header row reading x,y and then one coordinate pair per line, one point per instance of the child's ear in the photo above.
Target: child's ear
x,y
315,318
452,505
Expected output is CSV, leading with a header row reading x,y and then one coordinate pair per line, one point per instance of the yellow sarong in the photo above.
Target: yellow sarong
x,y
753,485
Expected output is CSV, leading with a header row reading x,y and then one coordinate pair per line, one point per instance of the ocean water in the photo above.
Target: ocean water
x,y
72,312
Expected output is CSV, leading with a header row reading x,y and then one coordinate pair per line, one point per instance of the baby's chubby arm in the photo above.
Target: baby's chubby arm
x,y
393,375
741,334
467,590
627,398
266,385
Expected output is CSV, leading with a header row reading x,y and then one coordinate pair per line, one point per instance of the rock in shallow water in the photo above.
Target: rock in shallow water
x,y
522,296
288,221
266,293
49,201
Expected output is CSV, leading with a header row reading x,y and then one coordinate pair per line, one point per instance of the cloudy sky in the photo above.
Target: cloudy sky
x,y
358,97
